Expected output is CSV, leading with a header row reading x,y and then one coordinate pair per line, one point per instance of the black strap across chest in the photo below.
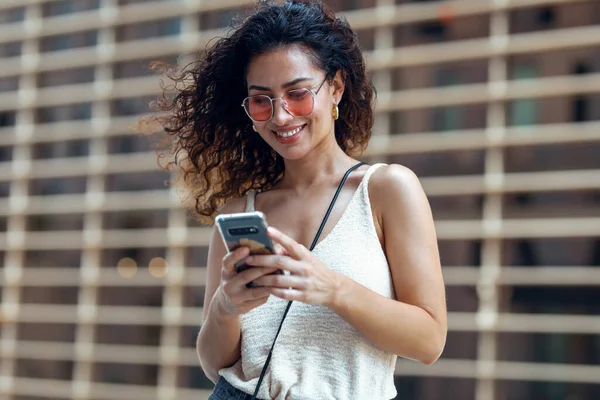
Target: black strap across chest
x,y
312,246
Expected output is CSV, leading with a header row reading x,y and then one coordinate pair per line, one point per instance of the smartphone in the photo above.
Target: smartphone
x,y
245,229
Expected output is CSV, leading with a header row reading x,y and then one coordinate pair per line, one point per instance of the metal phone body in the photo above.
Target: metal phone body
x,y
245,229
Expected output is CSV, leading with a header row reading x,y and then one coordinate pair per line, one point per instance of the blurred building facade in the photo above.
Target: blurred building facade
x,y
494,104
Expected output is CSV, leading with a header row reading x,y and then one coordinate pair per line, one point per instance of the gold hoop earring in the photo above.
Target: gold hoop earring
x,y
254,128
336,112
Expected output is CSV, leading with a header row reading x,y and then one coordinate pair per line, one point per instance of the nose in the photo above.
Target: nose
x,y
281,116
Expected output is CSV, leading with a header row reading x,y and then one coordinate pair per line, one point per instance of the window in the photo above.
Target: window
x,y
66,77
4,189
128,144
52,186
5,153
10,49
52,258
72,148
132,374
220,18
54,8
523,111
7,118
49,295
580,104
516,390
532,19
129,2
69,41
131,106
136,181
434,388
64,113
166,27
139,68
447,118
44,369
448,163
12,15
135,219
60,222
9,84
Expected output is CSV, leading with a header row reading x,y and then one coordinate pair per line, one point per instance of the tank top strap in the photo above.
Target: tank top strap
x,y
251,195
365,180
250,201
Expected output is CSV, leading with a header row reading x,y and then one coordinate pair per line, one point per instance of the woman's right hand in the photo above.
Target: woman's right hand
x,y
235,298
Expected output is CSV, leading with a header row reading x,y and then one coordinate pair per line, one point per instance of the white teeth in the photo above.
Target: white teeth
x,y
290,133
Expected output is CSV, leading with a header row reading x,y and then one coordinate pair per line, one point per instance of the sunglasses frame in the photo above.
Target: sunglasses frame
x,y
272,99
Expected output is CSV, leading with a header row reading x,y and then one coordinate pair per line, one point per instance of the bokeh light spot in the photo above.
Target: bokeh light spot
x,y
127,267
158,267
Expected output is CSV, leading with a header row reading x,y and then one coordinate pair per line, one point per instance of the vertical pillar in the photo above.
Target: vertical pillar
x,y
382,79
487,286
19,197
91,255
172,308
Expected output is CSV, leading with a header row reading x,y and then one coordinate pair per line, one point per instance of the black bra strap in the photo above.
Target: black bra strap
x,y
312,246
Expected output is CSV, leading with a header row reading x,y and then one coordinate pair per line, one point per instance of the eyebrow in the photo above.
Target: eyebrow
x,y
284,86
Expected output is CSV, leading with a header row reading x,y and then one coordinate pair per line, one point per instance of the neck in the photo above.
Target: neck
x,y
320,165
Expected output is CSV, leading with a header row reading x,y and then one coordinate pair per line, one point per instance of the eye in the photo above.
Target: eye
x,y
259,100
297,95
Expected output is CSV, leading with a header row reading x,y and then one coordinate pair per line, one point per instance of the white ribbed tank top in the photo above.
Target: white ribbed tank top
x,y
318,355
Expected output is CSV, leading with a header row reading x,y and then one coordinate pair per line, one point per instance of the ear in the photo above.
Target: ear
x,y
337,87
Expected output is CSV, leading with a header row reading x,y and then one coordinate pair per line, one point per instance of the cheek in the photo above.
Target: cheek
x,y
264,133
321,119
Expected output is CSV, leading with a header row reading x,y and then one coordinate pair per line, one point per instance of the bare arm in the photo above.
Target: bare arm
x,y
218,343
225,299
413,326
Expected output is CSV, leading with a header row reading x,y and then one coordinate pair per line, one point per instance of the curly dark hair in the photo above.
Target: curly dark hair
x,y
211,141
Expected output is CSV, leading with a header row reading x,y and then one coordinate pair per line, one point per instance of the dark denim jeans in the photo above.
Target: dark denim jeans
x,y
225,391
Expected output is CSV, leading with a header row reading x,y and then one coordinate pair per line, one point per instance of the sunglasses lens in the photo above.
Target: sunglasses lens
x,y
259,107
299,102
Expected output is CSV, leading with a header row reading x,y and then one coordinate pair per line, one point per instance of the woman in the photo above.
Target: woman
x,y
372,288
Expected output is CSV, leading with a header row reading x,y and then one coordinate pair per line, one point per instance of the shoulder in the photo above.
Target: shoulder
x,y
233,205
395,188
394,179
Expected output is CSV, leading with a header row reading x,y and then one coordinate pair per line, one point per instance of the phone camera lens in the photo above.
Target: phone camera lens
x,y
243,231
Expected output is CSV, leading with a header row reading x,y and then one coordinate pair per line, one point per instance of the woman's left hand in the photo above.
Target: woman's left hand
x,y
309,280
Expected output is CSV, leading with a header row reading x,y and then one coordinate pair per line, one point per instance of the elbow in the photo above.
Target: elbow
x,y
430,358
433,349
211,373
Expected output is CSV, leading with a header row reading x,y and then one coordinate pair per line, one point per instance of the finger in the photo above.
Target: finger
x,y
280,250
253,273
293,248
287,294
282,281
285,263
256,293
232,258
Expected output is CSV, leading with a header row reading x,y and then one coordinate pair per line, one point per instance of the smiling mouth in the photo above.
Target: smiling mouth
x,y
289,133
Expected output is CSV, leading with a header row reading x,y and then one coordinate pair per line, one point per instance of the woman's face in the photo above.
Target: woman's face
x,y
274,74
